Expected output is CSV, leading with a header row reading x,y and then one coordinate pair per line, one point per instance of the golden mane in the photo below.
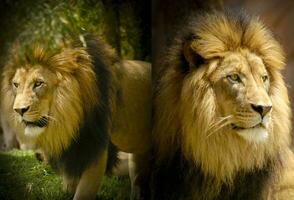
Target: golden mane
x,y
185,107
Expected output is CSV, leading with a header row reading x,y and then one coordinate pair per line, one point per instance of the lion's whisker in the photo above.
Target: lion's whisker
x,y
50,117
221,119
218,128
219,124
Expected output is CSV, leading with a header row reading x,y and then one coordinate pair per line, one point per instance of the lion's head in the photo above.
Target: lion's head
x,y
221,99
241,84
47,95
33,90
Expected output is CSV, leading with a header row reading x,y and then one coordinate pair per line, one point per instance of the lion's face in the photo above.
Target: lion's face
x,y
241,84
33,90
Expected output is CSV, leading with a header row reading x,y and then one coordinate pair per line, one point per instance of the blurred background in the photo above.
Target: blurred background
x,y
124,24
278,16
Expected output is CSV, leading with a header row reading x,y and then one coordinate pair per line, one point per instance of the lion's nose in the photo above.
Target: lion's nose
x,y
21,111
262,110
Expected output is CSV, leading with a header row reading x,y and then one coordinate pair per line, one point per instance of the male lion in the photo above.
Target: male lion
x,y
221,114
78,106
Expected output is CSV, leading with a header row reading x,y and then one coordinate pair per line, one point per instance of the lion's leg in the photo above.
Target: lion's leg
x,y
91,178
9,136
69,184
139,170
132,173
122,168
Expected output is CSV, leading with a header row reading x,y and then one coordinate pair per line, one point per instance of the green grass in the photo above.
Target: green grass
x,y
23,177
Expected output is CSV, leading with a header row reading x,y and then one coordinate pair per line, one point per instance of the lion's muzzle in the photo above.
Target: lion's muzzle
x,y
42,122
21,111
261,109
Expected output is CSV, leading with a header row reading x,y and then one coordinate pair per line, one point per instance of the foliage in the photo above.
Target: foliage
x,y
54,23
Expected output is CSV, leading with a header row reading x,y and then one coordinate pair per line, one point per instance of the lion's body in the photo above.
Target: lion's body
x,y
75,101
135,75
211,139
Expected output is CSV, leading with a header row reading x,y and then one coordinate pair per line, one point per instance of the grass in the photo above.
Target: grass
x,y
23,177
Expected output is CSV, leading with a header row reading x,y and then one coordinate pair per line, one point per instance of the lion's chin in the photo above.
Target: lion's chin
x,y
33,131
254,135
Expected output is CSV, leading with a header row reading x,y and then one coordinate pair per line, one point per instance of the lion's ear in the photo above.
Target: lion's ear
x,y
71,60
191,56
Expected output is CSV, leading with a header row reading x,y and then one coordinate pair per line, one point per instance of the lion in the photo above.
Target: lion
x,y
221,113
78,106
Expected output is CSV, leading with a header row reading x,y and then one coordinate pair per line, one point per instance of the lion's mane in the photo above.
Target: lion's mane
x,y
80,116
188,162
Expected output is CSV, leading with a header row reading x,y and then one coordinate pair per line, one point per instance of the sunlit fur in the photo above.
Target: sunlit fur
x,y
191,114
70,98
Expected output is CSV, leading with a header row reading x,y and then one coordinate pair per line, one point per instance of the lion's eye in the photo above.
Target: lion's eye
x,y
15,84
38,84
234,78
264,78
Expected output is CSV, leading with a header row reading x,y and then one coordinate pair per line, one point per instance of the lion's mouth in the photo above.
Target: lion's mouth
x,y
235,127
42,122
